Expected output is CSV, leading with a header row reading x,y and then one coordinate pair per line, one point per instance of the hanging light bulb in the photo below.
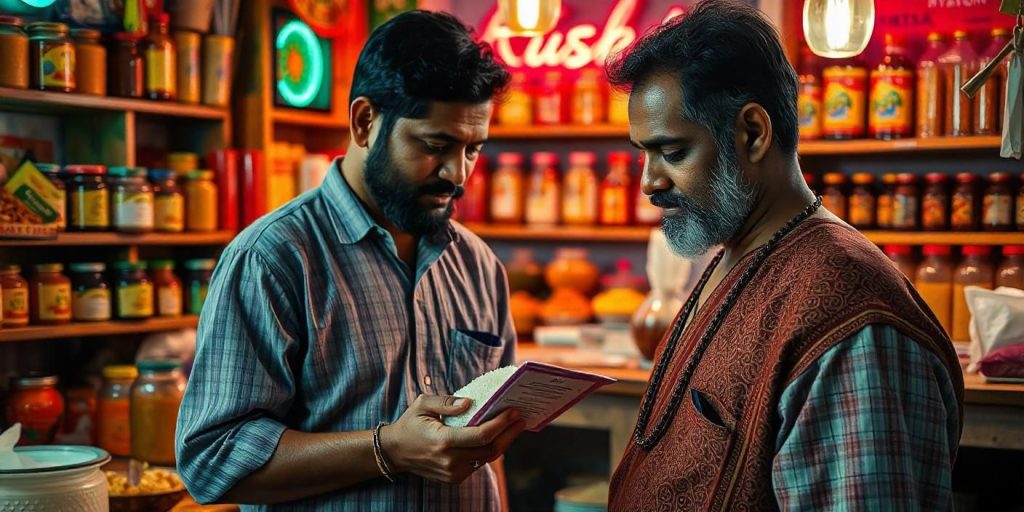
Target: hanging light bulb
x,y
530,17
838,28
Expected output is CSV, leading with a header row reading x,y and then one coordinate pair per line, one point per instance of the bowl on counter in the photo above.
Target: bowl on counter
x,y
163,496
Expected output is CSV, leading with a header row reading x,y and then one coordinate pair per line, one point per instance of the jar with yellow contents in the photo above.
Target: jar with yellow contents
x,y
201,201
169,201
155,399
88,198
52,57
50,292
133,291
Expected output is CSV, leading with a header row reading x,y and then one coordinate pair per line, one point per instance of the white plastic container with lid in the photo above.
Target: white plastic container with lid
x,y
53,478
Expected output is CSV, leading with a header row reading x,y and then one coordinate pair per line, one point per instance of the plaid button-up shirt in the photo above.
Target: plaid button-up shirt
x,y
313,323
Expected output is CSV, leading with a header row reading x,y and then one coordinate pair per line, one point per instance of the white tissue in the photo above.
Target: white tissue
x,y
9,460
997,321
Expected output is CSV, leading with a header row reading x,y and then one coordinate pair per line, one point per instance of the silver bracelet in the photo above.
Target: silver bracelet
x,y
378,454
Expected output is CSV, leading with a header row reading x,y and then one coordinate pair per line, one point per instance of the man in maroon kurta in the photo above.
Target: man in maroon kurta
x,y
804,372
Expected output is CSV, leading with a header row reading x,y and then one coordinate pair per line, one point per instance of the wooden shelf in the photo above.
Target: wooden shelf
x,y
304,118
944,238
498,131
866,146
122,239
31,101
86,329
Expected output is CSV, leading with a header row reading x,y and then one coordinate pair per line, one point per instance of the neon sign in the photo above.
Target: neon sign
x,y
577,47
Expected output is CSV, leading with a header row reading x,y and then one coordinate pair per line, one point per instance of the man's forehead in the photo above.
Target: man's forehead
x,y
464,120
655,110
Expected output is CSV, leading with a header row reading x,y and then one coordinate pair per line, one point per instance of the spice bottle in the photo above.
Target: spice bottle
x,y
126,71
474,205
892,94
88,198
905,203
935,203
1010,272
113,431
543,199
131,200
931,99
507,188
885,201
199,273
966,211
588,98
201,202
51,56
550,100
91,65
845,100
988,102
91,297
959,64
934,283
15,297
808,103
168,289
168,202
133,291
517,107
579,203
616,191
861,209
161,59
997,206
50,292
833,198
13,53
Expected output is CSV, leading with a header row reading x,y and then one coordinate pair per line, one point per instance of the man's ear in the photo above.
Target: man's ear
x,y
753,132
362,115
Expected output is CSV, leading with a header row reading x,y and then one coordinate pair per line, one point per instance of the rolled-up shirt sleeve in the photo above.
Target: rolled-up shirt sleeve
x,y
241,384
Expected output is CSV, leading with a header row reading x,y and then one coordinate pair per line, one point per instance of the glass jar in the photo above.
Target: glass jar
x,y
133,291
473,206
91,65
51,57
579,203
201,202
861,209
168,288
588,98
131,200
808,102
199,273
113,429
883,217
616,190
959,64
15,296
88,198
935,203
50,291
161,59
90,300
988,101
550,100
892,94
507,188
36,403
832,197
126,72
997,206
1011,270
966,214
543,199
934,283
931,98
13,53
516,109
903,257
59,201
905,203
974,270
155,398
168,202
845,101
188,45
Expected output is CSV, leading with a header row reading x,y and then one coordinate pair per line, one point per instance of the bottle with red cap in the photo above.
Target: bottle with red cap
x,y
903,257
579,197
507,190
544,194
934,282
1011,271
646,214
617,191
473,205
974,270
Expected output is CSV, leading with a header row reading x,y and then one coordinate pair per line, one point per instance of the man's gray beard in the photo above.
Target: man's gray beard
x,y
697,228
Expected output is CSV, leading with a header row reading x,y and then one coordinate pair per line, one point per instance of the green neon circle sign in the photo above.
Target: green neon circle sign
x,y
297,41
38,4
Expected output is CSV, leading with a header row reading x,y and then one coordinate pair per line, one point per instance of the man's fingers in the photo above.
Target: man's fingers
x,y
483,434
438,405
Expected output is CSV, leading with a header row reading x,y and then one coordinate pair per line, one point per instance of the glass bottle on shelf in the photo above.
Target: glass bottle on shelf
x,y
861,211
892,94
550,100
579,199
997,206
616,191
507,189
114,410
931,99
974,270
588,98
832,196
516,109
1011,270
883,217
15,293
52,57
935,203
808,103
845,100
959,64
903,257
126,72
155,399
473,205
543,197
966,213
50,291
161,59
988,102
934,282
905,203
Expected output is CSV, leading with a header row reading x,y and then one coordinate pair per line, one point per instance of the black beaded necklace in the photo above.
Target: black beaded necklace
x,y
648,442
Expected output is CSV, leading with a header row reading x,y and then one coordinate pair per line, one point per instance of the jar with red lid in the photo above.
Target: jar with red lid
x,y
544,192
905,202
997,206
861,209
88,198
966,211
36,403
903,257
126,69
833,198
507,190
50,293
550,101
1011,270
935,203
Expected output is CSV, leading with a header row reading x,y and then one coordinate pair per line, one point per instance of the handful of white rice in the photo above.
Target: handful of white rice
x,y
479,391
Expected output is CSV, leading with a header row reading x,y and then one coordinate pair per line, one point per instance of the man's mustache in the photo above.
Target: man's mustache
x,y
441,188
668,199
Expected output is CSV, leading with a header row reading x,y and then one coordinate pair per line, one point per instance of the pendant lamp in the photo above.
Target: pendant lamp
x,y
530,17
838,28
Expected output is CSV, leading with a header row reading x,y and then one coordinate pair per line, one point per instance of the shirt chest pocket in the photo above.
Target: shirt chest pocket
x,y
471,354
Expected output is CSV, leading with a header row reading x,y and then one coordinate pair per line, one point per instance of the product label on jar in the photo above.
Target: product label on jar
x,y
169,213
516,110
114,429
862,210
845,102
963,211
91,304
549,109
135,301
54,302
507,191
904,212
614,205
57,67
196,297
808,107
169,299
15,306
542,204
933,212
580,201
89,209
998,210
160,72
133,210
890,101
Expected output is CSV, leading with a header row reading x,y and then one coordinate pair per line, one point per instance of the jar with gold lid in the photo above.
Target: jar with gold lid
x,y
13,53
91,65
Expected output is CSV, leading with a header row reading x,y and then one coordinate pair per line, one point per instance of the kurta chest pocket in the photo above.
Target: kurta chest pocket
x,y
471,354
